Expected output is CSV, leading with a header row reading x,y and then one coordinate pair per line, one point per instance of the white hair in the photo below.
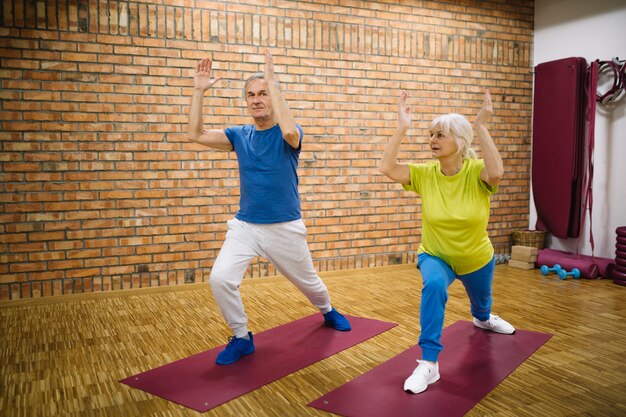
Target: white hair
x,y
460,129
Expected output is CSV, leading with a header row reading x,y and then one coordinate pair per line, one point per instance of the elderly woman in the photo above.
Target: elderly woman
x,y
455,189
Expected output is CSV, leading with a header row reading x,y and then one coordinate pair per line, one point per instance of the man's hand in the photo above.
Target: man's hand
x,y
269,67
202,78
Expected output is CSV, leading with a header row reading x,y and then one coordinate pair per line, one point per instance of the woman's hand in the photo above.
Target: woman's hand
x,y
484,115
404,112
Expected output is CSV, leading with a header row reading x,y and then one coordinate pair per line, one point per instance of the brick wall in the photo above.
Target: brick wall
x,y
100,189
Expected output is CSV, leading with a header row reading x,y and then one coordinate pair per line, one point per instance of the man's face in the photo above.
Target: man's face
x,y
258,99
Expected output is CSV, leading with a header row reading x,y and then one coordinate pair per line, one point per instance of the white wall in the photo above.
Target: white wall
x,y
592,30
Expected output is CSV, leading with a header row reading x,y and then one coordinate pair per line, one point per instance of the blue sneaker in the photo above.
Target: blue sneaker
x,y
235,349
336,321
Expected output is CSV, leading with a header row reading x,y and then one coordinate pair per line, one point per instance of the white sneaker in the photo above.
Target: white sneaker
x,y
495,324
425,374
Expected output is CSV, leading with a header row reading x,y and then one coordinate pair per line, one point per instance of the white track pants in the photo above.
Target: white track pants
x,y
284,245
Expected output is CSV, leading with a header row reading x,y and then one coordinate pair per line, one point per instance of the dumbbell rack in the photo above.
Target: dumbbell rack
x,y
619,271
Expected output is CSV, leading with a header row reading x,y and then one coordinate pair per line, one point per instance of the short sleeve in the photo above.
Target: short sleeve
x,y
477,168
232,133
301,136
414,175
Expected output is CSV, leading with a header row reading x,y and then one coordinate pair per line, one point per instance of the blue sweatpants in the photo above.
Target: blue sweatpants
x,y
438,276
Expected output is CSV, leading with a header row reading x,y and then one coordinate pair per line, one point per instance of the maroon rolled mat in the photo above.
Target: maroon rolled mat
x,y
589,267
473,362
601,263
198,383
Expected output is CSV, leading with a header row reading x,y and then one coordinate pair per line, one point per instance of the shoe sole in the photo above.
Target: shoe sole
x,y
236,360
490,330
327,324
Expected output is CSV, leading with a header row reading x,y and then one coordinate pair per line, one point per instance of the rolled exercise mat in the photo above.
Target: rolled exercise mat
x,y
472,364
558,165
569,261
198,383
601,263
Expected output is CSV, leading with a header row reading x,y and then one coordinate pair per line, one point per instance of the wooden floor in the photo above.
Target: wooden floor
x,y
64,356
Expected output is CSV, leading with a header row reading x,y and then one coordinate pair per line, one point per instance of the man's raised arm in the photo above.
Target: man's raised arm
x,y
214,138
283,116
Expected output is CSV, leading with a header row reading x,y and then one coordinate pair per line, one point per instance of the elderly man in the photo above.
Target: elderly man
x,y
269,221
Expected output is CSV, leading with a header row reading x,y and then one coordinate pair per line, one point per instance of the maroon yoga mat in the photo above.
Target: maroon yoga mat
x,y
473,362
198,383
558,165
590,267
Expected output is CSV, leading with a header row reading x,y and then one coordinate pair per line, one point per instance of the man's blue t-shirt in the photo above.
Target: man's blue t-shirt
x,y
267,173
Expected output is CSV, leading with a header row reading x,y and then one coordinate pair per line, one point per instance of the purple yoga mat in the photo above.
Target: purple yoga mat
x,y
473,362
590,267
198,383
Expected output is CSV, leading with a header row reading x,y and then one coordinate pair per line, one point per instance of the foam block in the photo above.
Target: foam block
x,y
521,265
525,254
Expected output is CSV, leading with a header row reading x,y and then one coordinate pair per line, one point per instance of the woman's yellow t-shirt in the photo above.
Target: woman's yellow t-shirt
x,y
455,214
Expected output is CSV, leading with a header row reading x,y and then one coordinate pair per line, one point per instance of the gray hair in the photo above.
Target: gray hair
x,y
255,76
459,128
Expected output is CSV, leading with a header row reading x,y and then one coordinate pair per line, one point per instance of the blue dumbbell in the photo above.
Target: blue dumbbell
x,y
545,270
563,274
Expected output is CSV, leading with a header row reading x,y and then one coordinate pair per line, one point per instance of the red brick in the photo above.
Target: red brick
x,y
83,272
117,106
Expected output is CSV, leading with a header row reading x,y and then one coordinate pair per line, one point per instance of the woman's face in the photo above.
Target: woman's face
x,y
442,145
